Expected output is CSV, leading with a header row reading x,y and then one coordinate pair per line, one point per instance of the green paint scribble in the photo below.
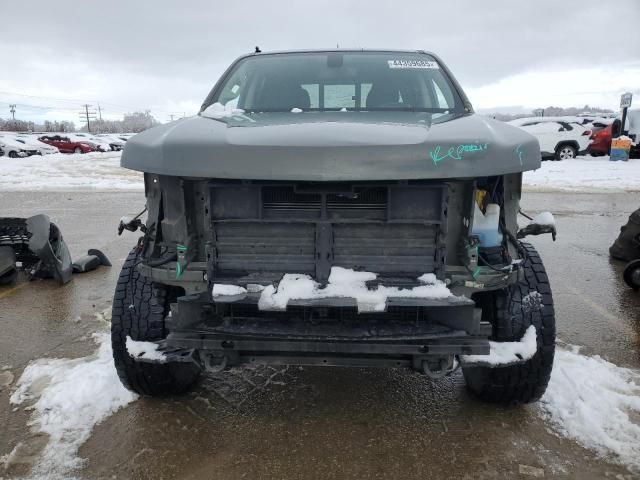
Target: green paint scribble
x,y
456,152
181,250
519,153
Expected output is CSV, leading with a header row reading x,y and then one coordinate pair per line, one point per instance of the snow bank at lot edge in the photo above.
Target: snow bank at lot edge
x,y
84,172
584,174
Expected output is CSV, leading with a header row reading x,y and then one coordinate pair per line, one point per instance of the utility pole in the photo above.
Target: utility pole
x,y
87,115
100,115
12,109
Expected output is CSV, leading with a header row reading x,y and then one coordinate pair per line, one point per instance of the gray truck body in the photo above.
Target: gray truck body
x,y
340,146
247,198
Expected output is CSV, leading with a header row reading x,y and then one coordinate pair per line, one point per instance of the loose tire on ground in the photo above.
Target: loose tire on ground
x,y
510,317
631,274
139,310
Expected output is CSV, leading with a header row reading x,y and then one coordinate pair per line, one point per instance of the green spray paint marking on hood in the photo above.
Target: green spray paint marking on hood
x,y
456,152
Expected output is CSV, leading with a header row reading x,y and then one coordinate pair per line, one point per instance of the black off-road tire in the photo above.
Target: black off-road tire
x,y
9,277
510,317
139,310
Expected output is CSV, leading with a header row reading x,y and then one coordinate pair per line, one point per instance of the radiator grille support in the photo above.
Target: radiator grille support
x,y
393,230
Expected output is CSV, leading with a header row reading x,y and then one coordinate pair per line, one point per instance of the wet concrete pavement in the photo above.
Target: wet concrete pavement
x,y
321,422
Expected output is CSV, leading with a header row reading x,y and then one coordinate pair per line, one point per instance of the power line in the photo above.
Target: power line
x,y
81,102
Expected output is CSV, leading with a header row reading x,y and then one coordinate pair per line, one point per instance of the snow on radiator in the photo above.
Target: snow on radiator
x,y
347,283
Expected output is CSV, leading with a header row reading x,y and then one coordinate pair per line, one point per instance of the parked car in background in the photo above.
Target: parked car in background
x,y
34,143
559,139
14,149
115,143
601,141
67,145
101,144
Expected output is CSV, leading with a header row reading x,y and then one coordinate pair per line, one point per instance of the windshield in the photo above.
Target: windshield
x,y
334,81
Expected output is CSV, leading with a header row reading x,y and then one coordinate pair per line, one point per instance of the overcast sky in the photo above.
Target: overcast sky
x,y
166,55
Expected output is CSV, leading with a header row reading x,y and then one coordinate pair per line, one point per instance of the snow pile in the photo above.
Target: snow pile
x,y
220,289
217,110
584,174
543,218
597,404
71,397
147,350
626,139
59,171
346,283
505,353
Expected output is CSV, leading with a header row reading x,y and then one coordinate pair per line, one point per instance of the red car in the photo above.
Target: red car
x,y
66,145
601,142
601,139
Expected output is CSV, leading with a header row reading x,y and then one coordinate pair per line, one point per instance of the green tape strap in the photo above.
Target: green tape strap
x,y
180,249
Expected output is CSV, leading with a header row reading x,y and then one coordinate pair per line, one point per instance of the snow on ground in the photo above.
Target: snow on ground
x,y
102,171
59,171
71,397
585,173
597,404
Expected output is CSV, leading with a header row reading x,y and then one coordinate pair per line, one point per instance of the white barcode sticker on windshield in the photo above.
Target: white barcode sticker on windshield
x,y
413,64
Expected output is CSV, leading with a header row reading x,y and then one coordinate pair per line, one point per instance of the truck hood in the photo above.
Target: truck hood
x,y
333,146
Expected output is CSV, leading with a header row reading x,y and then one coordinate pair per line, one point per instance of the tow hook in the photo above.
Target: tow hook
x,y
443,367
214,364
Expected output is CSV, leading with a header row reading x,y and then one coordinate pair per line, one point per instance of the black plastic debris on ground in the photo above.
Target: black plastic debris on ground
x,y
36,245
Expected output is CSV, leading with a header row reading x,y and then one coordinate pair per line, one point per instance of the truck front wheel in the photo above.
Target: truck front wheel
x,y
511,312
139,310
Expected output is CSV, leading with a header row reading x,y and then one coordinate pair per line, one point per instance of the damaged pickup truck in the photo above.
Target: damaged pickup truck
x,y
339,208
